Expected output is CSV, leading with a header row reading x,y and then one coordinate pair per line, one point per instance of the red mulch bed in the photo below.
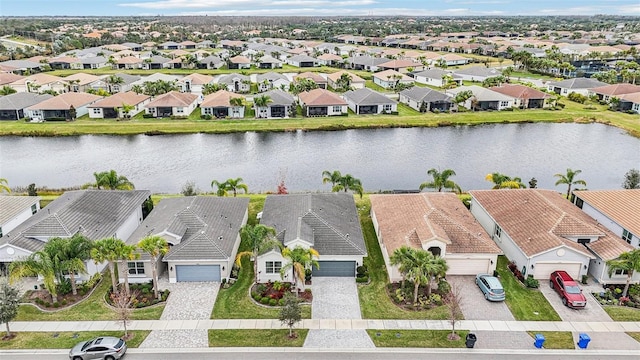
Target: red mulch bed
x,y
46,302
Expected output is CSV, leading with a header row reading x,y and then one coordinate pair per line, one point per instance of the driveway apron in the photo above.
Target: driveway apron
x,y
592,312
474,306
187,301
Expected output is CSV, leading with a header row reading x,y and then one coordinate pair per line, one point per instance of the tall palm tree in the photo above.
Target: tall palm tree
x,y
69,256
348,182
261,239
441,180
113,80
127,254
236,102
502,181
126,110
222,187
138,89
4,185
210,88
401,258
627,261
300,259
422,266
7,90
569,179
261,102
156,247
109,250
332,177
37,264
112,181
235,185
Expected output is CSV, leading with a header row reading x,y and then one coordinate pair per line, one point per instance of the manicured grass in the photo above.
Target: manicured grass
x,y
92,308
405,110
373,86
635,335
374,301
525,304
256,338
417,338
65,340
555,339
622,313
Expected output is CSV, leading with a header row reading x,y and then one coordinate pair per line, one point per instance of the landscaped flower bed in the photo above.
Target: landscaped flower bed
x,y
143,295
612,295
43,299
403,297
529,281
272,293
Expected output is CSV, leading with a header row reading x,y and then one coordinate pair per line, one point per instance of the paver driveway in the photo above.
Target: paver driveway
x,y
475,306
592,312
605,341
335,298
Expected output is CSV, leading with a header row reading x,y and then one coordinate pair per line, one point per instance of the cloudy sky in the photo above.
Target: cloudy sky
x,y
318,7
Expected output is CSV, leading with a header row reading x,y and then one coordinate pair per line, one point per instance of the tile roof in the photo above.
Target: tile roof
x,y
65,101
415,219
129,60
279,97
542,220
39,79
219,98
388,74
240,60
520,91
206,227
578,83
7,78
420,94
12,206
116,100
198,79
435,74
94,213
22,100
328,221
173,99
336,75
84,78
311,75
399,64
320,97
366,96
232,78
633,97
616,89
621,206
482,94
302,58
479,71
273,76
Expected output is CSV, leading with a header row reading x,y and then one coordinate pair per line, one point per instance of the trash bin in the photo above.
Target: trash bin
x,y
539,341
583,341
471,340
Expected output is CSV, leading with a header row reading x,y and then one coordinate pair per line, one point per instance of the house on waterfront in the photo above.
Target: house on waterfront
x,y
173,103
112,107
525,97
60,107
218,105
13,107
484,99
321,102
424,99
435,77
577,85
356,81
15,211
367,102
279,106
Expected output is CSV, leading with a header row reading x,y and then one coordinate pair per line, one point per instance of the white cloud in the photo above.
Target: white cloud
x,y
342,11
208,4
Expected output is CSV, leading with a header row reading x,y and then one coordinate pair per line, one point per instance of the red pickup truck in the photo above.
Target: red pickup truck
x,y
568,289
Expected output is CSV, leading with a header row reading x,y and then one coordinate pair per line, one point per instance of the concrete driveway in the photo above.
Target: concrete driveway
x,y
592,312
475,306
335,298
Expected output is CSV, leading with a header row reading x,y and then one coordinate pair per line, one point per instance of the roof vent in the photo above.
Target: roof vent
x,y
219,237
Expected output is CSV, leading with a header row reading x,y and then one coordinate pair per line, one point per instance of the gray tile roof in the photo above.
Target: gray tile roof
x,y
21,64
211,59
479,71
367,60
279,97
270,76
231,78
12,206
302,58
366,96
22,100
578,83
128,79
421,94
159,59
93,60
435,74
207,227
96,214
328,221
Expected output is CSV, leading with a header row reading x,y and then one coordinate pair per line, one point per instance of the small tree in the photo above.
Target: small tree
x,y
72,113
632,179
189,189
9,302
32,190
123,305
290,314
453,301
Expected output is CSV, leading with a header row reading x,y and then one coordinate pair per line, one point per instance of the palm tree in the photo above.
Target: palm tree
x,y
300,259
69,256
156,247
502,181
113,80
126,110
332,177
348,182
462,96
261,102
441,180
236,102
570,179
127,254
109,250
223,187
627,261
37,264
235,184
400,258
7,90
210,88
138,89
4,185
261,239
111,181
421,267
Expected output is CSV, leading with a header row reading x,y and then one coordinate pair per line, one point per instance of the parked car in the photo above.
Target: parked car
x,y
568,289
103,348
491,287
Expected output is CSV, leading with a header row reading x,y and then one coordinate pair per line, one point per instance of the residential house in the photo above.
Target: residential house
x,y
187,44
65,63
6,78
194,83
112,107
317,78
156,77
239,62
541,232
96,214
368,63
327,222
21,66
81,81
169,45
356,81
173,103
59,107
425,99
210,62
39,83
321,102
156,62
329,60
302,61
607,92
133,46
129,62
436,77
268,62
203,234
127,82
237,83
617,210
279,106
525,97
218,105
390,78
477,73
366,102
483,98
578,85
454,60
435,222
15,211
12,107
630,102
402,66
93,62
272,80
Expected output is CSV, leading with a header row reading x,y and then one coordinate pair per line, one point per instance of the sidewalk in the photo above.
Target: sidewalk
x,y
333,324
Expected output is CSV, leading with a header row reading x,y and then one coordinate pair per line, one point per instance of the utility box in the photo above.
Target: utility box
x,y
539,341
583,340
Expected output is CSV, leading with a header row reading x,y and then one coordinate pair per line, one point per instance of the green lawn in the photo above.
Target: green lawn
x,y
622,313
525,304
555,339
374,301
405,110
92,308
417,338
65,340
256,338
635,335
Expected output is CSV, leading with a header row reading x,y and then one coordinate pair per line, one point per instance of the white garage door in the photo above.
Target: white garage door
x,y
197,273
468,266
544,269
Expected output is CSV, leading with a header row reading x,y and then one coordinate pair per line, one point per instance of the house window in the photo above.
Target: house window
x,y
387,107
626,235
337,109
620,272
504,103
97,111
179,110
34,209
116,88
579,202
498,232
207,111
136,268
273,267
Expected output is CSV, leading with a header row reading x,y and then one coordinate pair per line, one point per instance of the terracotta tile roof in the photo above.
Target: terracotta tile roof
x,y
64,59
414,219
388,74
7,78
84,78
240,60
129,60
633,97
336,75
539,221
39,79
621,206
64,101
173,99
219,98
320,97
116,100
616,89
311,75
399,64
198,79
520,91
329,57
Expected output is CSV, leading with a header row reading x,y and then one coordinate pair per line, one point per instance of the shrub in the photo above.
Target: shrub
x,y
585,278
530,282
147,116
436,299
575,97
630,304
206,117
362,279
361,270
47,304
56,304
261,289
164,295
64,287
281,302
145,291
307,274
443,286
264,300
63,302
256,297
512,266
273,302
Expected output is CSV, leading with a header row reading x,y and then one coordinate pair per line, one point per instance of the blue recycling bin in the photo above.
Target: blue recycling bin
x,y
539,341
583,340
